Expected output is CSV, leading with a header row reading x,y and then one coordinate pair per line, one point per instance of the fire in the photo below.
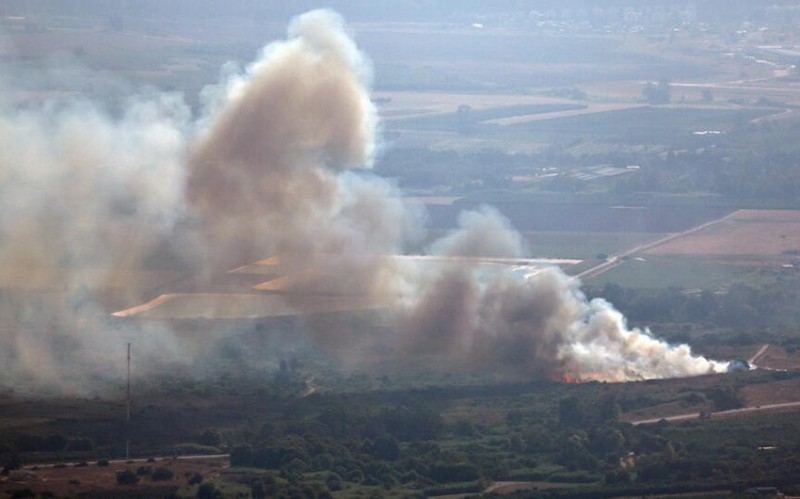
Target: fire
x,y
566,378
571,378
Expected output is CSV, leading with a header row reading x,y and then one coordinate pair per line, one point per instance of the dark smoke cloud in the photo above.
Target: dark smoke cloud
x,y
278,165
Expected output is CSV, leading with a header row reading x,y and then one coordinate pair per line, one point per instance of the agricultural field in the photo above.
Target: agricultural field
x,y
746,237
651,123
748,246
687,272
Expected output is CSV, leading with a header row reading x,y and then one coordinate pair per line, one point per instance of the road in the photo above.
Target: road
x,y
761,351
617,259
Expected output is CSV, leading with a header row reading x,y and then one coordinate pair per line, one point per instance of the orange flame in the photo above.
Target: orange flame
x,y
571,378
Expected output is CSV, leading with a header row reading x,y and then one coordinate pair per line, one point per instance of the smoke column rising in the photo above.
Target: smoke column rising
x,y
277,165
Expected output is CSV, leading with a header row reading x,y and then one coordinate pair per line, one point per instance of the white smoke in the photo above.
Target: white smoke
x,y
88,199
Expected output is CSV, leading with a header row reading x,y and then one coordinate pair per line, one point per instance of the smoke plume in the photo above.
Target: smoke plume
x,y
95,210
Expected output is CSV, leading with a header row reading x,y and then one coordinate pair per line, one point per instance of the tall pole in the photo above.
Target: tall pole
x,y
128,410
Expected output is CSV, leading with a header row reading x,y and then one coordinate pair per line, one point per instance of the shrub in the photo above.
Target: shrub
x,y
127,477
23,493
161,474
574,477
208,491
103,463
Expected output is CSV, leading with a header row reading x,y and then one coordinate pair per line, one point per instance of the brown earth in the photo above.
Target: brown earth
x,y
778,392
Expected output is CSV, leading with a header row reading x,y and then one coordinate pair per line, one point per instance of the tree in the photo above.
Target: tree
x,y
726,398
514,417
464,118
657,93
570,412
210,437
386,447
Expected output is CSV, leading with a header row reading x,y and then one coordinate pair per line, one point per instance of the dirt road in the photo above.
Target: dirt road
x,y
761,351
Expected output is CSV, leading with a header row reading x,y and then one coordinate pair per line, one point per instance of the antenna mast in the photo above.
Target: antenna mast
x,y
128,409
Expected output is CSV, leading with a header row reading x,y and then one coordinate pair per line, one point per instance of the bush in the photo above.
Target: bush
x,y
456,488
161,474
211,438
386,447
103,463
23,493
208,491
574,477
127,477
10,464
444,472
333,482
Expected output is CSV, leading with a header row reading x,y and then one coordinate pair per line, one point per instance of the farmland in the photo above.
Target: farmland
x,y
750,246
768,236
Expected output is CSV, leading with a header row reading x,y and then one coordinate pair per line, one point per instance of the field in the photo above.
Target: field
x,y
584,245
769,236
692,273
397,106
752,246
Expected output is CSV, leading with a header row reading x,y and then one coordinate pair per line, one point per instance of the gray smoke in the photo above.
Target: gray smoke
x,y
522,325
278,165
85,199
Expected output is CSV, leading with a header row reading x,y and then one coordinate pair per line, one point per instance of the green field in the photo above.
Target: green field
x,y
457,121
645,124
583,245
662,272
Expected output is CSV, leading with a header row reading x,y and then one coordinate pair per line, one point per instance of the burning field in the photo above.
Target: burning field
x,y
277,164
